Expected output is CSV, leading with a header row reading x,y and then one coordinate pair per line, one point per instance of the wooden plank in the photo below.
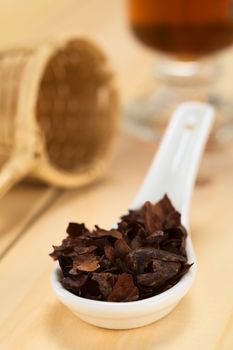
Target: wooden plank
x,y
32,317
19,208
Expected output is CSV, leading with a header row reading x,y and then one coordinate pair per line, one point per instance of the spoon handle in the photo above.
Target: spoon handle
x,y
175,165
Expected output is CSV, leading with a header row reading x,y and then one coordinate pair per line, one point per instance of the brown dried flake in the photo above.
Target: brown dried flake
x,y
151,219
124,289
121,248
105,281
144,256
75,229
109,252
163,271
86,262
83,250
98,233
74,284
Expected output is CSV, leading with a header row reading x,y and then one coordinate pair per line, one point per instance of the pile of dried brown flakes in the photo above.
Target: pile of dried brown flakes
x,y
144,256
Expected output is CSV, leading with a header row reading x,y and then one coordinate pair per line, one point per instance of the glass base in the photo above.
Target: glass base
x,y
148,116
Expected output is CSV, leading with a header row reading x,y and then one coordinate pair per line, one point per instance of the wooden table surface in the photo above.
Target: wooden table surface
x,y
34,217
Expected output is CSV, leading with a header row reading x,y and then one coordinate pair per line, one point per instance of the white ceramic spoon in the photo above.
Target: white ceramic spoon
x,y
173,171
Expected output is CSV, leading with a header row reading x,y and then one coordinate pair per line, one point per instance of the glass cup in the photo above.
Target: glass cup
x,y
186,34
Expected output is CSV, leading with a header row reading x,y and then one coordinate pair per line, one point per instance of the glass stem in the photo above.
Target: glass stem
x,y
190,73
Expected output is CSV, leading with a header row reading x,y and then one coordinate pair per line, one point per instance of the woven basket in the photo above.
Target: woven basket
x,y
58,113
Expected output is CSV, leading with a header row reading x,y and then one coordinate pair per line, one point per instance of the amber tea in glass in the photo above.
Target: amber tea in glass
x,y
187,29
185,32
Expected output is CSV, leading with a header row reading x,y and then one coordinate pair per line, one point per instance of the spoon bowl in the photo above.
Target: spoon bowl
x,y
173,171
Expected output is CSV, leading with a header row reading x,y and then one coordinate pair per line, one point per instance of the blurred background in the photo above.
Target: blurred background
x,y
28,24
107,24
133,62
26,21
